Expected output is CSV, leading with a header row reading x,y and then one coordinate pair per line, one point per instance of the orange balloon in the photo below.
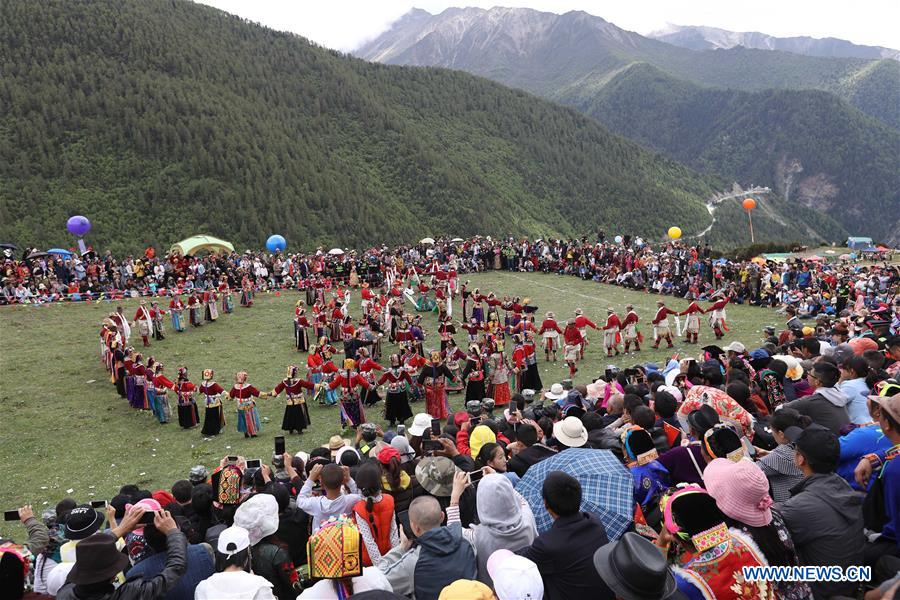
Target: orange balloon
x,y
749,204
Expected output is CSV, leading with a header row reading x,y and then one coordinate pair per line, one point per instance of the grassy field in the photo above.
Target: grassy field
x,y
65,431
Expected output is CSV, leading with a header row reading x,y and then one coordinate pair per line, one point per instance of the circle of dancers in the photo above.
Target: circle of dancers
x,y
500,351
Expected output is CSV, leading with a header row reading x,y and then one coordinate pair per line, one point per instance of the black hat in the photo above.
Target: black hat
x,y
703,418
97,560
634,569
817,443
82,522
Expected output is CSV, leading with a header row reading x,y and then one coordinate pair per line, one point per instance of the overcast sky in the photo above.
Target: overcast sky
x,y
345,24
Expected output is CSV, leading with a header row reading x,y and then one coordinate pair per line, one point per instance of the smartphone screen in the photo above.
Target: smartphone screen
x,y
10,515
279,445
475,476
403,518
232,459
435,428
254,463
148,517
426,434
98,503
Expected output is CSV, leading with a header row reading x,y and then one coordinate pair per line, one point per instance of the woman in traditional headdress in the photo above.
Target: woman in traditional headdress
x,y
214,418
498,388
714,555
139,374
161,387
453,356
248,417
301,324
118,366
246,292
226,294
348,380
433,378
296,413
368,367
187,407
396,404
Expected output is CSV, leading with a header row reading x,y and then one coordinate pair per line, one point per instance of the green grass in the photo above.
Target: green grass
x,y
65,428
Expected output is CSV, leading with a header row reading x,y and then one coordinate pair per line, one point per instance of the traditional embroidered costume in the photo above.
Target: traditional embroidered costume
x,y
247,415
187,407
296,412
214,417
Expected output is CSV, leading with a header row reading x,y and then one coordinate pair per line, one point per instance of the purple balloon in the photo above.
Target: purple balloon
x,y
78,225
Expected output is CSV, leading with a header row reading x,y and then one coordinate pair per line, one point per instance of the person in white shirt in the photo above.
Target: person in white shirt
x,y
333,478
234,579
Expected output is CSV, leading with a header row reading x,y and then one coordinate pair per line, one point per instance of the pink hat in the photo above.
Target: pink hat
x,y
148,504
740,489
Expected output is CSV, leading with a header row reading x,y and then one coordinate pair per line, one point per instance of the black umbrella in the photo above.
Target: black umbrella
x,y
37,255
10,246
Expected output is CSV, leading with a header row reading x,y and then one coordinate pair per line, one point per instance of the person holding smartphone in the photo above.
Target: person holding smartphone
x,y
38,535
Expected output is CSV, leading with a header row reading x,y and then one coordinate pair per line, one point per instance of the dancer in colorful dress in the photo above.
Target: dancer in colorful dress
x,y
246,292
473,374
194,307
212,302
247,415
352,413
532,375
301,325
214,417
161,387
550,333
118,373
396,403
498,388
692,323
572,347
156,315
368,368
139,392
453,356
630,332
433,378
188,416
128,363
296,412
176,310
227,295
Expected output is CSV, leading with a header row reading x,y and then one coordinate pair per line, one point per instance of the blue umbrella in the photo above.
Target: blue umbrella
x,y
607,487
59,251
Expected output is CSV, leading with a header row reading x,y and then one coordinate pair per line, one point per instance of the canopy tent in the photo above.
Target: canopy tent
x,y
858,243
199,243
883,249
777,256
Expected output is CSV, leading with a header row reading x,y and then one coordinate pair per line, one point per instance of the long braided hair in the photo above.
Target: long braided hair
x,y
368,480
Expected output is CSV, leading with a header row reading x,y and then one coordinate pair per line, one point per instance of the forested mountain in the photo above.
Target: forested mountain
x,y
160,119
571,56
810,146
711,38
752,116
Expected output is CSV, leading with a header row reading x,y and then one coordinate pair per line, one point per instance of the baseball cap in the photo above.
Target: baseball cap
x,y
888,397
816,442
233,540
515,577
735,347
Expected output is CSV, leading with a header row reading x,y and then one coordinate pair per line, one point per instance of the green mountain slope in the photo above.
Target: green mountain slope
x,y
809,146
162,119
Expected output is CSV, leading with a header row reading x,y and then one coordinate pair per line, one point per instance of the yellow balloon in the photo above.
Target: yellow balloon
x,y
674,232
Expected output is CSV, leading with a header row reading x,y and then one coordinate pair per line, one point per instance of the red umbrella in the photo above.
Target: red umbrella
x,y
728,409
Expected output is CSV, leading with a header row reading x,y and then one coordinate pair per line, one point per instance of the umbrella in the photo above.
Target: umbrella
x,y
607,488
728,409
844,257
426,241
37,255
335,252
758,260
830,252
457,240
721,261
59,251
9,246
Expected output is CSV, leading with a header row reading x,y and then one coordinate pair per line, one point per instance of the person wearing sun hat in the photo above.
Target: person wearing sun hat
x,y
714,554
570,433
741,491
